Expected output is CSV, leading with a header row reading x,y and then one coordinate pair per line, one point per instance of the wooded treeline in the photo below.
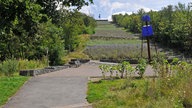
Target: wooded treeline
x,y
29,29
172,25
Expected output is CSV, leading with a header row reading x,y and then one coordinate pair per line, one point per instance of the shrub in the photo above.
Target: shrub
x,y
141,67
31,64
9,67
124,69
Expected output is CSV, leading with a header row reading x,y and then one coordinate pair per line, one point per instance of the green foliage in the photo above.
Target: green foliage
x,y
119,93
141,67
19,21
129,70
9,86
171,88
32,64
171,25
50,42
174,80
124,69
78,53
130,22
107,30
98,91
112,41
9,67
116,52
75,24
50,8
104,69
34,29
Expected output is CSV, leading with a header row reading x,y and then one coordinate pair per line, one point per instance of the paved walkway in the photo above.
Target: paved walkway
x,y
62,89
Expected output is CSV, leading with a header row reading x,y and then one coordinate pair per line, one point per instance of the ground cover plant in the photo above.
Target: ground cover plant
x,y
171,89
114,43
117,51
124,69
106,30
9,86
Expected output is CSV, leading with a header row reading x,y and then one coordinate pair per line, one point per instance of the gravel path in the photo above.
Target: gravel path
x,y
62,89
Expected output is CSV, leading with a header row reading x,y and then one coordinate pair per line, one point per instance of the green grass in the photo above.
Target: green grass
x,y
116,93
97,91
107,27
9,86
135,93
112,41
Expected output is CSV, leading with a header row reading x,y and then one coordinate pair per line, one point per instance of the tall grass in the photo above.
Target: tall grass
x,y
11,67
172,89
31,64
78,53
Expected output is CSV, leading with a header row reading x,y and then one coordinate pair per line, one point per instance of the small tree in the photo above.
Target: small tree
x,y
104,68
141,67
129,69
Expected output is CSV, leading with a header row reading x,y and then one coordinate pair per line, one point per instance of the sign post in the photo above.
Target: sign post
x,y
147,31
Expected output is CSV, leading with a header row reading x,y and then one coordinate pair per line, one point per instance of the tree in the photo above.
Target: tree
x,y
171,25
19,20
29,27
52,7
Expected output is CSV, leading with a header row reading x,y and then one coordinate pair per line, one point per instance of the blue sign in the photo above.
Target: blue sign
x,y
146,18
147,31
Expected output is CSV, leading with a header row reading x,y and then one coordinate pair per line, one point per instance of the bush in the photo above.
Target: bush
x,y
9,67
141,67
171,89
124,69
31,64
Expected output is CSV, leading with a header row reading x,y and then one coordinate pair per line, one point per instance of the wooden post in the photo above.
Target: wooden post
x,y
148,47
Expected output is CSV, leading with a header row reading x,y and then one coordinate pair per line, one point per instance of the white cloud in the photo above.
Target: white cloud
x,y
118,5
109,7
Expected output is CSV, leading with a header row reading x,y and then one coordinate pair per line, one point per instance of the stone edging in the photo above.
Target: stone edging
x,y
36,72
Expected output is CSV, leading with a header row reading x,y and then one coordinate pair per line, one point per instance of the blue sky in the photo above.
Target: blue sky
x,y
106,8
